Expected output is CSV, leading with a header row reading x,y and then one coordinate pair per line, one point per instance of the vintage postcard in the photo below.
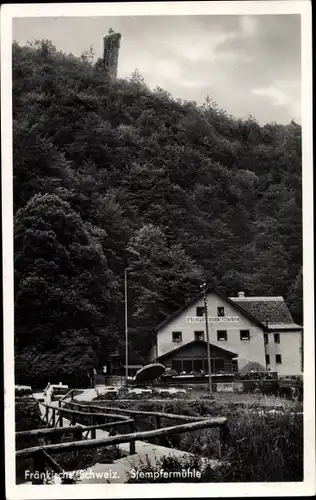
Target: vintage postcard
x,y
157,175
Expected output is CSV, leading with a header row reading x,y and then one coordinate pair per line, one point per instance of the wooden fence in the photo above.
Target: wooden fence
x,y
42,454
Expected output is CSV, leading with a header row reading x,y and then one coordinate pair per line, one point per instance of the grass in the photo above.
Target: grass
x,y
264,443
267,448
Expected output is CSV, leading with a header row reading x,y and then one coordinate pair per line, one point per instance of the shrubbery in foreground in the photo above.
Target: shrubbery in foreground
x,y
262,447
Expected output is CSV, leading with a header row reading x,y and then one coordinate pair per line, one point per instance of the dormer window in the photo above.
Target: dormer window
x,y
200,311
220,312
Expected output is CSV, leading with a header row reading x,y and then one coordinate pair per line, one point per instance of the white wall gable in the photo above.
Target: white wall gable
x,y
233,321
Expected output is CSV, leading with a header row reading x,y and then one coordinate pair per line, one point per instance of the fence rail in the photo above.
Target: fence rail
x,y
124,438
41,454
171,416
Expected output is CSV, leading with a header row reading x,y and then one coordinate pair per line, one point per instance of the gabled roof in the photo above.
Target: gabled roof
x,y
224,297
201,342
270,309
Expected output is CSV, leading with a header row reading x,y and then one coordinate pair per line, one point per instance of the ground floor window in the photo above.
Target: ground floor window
x,y
199,365
187,365
177,365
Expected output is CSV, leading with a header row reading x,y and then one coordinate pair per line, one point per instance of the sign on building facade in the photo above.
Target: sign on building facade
x,y
211,319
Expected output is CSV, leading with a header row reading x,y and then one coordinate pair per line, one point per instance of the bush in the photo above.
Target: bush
x,y
262,446
27,417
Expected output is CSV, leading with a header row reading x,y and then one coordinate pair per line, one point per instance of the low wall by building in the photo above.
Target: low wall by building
x,y
115,380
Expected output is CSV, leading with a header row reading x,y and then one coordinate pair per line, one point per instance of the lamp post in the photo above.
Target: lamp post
x,y
203,288
133,253
126,329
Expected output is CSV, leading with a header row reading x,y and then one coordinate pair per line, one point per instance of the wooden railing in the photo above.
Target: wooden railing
x,y
60,412
41,454
124,438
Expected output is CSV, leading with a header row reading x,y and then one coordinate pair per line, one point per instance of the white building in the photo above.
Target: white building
x,y
243,332
284,339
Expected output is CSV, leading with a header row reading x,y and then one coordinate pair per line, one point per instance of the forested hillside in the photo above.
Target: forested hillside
x,y
111,174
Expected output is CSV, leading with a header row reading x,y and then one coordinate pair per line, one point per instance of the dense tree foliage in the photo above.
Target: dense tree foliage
x,y
110,175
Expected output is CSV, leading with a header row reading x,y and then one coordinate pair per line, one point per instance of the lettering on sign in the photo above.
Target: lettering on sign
x,y
211,319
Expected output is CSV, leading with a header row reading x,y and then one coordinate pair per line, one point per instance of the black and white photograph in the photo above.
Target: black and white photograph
x,y
158,249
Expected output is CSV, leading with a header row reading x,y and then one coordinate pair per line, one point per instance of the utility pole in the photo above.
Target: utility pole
x,y
203,288
126,330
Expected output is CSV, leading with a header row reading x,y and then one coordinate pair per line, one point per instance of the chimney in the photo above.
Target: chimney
x,y
111,48
241,294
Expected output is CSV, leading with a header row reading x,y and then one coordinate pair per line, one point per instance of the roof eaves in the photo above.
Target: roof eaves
x,y
183,346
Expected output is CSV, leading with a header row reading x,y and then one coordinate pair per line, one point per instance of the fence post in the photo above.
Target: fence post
x,y
38,468
78,435
93,431
46,414
73,418
54,417
223,437
157,427
132,444
220,443
72,395
60,418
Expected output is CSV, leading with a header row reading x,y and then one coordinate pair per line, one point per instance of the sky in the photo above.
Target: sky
x,y
249,65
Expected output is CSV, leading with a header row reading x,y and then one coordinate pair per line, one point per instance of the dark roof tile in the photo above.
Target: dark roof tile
x,y
273,311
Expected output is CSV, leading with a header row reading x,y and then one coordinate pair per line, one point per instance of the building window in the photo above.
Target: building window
x,y
277,338
219,365
199,335
200,311
187,365
266,338
244,335
278,359
267,359
198,365
220,311
177,365
176,336
221,334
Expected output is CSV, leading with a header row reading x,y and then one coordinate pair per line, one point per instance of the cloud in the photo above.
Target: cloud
x,y
248,25
247,64
274,93
284,94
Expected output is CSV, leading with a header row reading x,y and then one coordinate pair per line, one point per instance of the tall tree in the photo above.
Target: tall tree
x,y
62,288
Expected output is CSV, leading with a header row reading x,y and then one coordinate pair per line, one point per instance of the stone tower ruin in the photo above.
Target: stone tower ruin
x,y
111,48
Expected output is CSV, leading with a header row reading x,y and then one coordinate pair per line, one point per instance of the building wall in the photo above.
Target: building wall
x,y
290,350
252,350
